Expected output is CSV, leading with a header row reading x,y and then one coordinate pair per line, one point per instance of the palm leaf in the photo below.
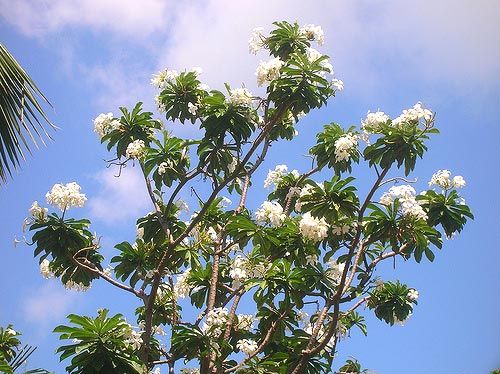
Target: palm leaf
x,y
22,119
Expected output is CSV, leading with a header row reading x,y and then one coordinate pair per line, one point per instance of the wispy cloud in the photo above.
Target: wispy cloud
x,y
136,19
119,198
456,44
48,304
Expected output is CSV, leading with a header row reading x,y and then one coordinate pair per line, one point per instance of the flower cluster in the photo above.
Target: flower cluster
x,y
345,146
256,41
313,32
66,196
192,108
412,115
275,176
270,212
405,194
245,322
135,149
335,270
161,79
313,228
79,287
268,71
240,96
162,168
337,84
133,339
238,270
182,286
412,295
442,178
247,346
343,229
45,269
105,123
37,212
373,121
215,321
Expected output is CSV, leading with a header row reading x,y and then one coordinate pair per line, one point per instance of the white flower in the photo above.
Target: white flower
x,y
275,176
313,228
182,286
311,259
313,32
345,146
212,234
442,178
338,84
268,71
66,196
162,168
159,104
412,115
135,149
238,269
161,79
458,181
341,229
313,55
247,346
335,270
11,332
134,339
256,41
309,328
412,295
104,124
79,287
245,322
406,197
215,320
270,212
240,96
192,108
140,232
373,121
37,212
45,269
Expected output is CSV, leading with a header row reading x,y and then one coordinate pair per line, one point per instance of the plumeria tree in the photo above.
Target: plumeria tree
x,y
304,261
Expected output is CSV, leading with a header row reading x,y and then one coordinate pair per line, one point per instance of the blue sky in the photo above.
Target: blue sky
x,y
91,56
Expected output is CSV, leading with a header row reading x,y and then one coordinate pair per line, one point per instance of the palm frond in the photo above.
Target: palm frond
x,y
22,118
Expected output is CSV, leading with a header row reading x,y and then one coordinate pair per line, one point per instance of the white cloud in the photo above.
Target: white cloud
x,y
373,44
48,303
119,198
136,19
